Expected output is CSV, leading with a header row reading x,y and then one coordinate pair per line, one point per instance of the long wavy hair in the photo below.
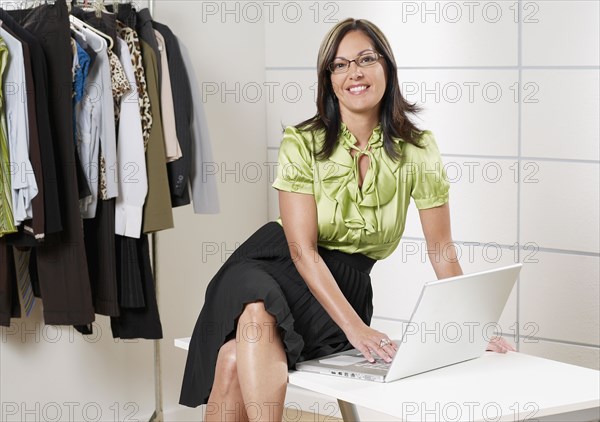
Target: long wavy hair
x,y
394,108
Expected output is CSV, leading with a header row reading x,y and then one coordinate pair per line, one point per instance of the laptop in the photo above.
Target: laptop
x,y
452,322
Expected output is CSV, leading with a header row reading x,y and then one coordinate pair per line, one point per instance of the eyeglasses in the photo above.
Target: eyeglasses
x,y
340,65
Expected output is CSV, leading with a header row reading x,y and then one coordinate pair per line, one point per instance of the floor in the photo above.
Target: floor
x,y
293,415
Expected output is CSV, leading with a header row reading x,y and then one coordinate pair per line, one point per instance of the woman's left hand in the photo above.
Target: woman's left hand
x,y
498,344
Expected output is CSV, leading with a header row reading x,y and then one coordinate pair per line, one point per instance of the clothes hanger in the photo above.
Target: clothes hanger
x,y
116,4
98,6
79,25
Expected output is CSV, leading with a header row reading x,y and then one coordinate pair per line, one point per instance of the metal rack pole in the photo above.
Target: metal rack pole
x,y
157,416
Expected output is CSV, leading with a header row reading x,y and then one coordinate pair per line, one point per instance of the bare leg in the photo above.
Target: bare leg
x,y
226,402
261,364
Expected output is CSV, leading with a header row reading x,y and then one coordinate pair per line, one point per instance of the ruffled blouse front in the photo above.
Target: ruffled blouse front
x,y
366,219
378,187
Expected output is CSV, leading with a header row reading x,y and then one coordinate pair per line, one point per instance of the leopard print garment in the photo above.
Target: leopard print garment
x,y
133,42
120,86
102,192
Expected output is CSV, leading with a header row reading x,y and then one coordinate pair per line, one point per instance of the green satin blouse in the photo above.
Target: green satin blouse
x,y
368,219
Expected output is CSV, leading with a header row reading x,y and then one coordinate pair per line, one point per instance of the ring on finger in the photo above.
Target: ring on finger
x,y
384,342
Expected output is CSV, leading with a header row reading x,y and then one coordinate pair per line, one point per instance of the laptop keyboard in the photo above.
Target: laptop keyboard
x,y
378,364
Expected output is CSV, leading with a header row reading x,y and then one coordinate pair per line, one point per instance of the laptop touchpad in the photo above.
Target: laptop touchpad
x,y
342,360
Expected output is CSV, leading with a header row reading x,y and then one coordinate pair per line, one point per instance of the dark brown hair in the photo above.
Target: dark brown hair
x,y
394,108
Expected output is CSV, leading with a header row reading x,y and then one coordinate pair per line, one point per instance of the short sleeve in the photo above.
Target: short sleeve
x,y
295,170
430,184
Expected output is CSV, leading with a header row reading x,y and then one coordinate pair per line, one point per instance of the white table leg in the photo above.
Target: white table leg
x,y
348,411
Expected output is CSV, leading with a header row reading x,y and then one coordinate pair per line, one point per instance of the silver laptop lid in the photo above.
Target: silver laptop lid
x,y
453,320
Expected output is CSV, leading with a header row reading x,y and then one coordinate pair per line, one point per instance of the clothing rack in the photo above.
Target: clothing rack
x,y
157,415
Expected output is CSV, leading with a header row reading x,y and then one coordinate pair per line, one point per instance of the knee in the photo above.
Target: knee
x,y
226,369
256,312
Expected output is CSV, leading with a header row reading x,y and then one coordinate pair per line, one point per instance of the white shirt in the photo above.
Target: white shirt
x,y
23,184
133,179
95,120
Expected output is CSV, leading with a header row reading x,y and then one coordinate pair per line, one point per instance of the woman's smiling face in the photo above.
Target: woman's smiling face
x,y
360,89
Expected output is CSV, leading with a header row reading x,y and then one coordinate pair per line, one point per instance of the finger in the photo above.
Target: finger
x,y
391,349
386,341
492,347
366,353
499,348
383,353
506,345
385,348
509,346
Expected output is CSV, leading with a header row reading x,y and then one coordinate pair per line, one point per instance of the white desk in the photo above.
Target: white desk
x,y
495,387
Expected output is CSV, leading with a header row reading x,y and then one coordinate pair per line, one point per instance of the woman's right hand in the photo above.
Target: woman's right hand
x,y
298,213
371,342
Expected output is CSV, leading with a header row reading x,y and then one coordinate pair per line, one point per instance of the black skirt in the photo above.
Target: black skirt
x,y
262,269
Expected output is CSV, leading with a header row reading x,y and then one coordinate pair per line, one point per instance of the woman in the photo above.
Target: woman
x,y
299,288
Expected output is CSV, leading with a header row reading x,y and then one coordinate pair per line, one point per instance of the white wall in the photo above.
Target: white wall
x,y
524,174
